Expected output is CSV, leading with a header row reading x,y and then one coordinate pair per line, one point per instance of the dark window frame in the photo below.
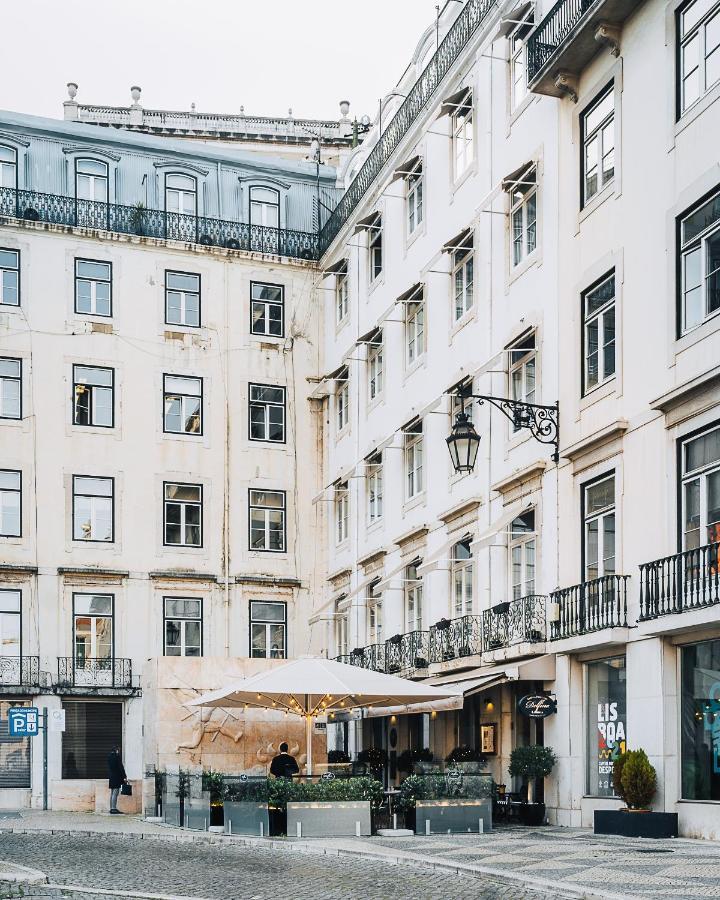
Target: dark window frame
x,y
112,617
168,174
14,150
111,479
15,590
112,390
267,440
19,360
268,303
584,485
184,502
252,506
584,390
599,96
680,331
167,618
263,187
15,472
109,282
19,277
252,622
679,475
80,159
199,378
199,296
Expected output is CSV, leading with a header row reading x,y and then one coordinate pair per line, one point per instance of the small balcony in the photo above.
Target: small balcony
x,y
676,584
451,639
406,652
591,606
516,622
568,38
94,675
20,671
371,657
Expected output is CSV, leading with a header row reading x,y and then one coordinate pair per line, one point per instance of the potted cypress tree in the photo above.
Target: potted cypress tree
x,y
530,763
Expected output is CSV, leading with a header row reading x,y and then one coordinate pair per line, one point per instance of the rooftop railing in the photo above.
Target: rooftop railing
x,y
681,582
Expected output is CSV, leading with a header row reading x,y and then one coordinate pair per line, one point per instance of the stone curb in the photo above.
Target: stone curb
x,y
20,874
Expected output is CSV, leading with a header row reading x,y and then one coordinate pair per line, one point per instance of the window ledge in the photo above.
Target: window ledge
x,y
416,501
344,431
419,363
411,238
343,323
460,323
458,182
608,388
532,259
373,285
707,327
376,526
376,401
515,114
598,200
697,109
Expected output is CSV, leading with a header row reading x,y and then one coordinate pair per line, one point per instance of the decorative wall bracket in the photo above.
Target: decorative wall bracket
x,y
610,36
567,83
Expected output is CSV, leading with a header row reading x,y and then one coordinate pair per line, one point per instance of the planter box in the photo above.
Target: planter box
x,y
320,819
443,816
636,824
246,817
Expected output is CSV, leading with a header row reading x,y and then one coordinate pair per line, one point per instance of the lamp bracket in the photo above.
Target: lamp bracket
x,y
543,422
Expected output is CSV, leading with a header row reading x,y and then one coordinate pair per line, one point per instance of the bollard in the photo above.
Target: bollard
x,y
394,821
262,829
481,826
228,828
299,829
206,824
427,826
357,829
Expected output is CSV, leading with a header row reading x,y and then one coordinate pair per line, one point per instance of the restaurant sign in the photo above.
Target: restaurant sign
x,y
537,706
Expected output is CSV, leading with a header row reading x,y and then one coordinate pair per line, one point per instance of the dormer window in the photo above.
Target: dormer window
x,y
265,207
180,194
8,167
91,180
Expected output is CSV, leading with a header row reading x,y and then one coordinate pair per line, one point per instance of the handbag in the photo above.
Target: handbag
x,y
126,789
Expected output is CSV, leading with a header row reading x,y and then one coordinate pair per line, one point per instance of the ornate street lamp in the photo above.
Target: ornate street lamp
x,y
463,444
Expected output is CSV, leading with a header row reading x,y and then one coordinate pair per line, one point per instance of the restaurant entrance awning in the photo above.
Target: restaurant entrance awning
x,y
540,668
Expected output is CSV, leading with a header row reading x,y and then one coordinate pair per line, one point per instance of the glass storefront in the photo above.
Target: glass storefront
x,y
606,722
701,721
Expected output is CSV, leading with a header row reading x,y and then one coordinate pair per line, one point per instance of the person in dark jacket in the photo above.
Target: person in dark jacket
x,y
116,777
284,765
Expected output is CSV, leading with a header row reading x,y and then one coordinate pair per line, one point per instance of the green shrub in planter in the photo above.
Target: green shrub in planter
x,y
407,759
465,755
282,791
638,780
531,762
338,756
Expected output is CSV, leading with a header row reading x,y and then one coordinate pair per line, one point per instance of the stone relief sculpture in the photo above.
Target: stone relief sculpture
x,y
206,722
266,755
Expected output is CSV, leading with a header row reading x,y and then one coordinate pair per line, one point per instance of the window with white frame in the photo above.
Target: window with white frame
x,y
342,295
463,277
180,194
413,598
700,259
700,462
518,60
462,134
599,333
599,527
182,299
10,388
375,248
414,193
267,521
523,215
267,307
268,629
522,555
265,207
93,287
699,36
9,277
10,622
342,511
93,396
375,366
598,144
374,488
462,579
183,626
10,503
267,413
182,404
92,628
341,631
8,167
522,360
342,400
91,180
93,508
183,506
413,451
414,329
373,602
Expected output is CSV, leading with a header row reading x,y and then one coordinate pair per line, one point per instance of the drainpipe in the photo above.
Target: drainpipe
x,y
226,472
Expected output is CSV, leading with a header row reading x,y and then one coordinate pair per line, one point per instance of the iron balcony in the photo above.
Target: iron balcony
x,y
455,638
590,606
20,671
519,621
87,672
681,582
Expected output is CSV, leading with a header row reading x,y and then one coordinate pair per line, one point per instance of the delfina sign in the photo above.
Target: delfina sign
x,y
537,706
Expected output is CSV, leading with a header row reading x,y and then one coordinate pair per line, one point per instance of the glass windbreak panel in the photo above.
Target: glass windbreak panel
x,y
700,725
606,722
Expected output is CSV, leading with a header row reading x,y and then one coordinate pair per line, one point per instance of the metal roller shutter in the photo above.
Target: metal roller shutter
x,y
92,729
14,759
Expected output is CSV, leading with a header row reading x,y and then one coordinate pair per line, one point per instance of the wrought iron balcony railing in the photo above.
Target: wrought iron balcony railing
x,y
514,622
684,581
454,638
372,657
590,606
94,672
156,223
418,98
20,671
552,32
406,652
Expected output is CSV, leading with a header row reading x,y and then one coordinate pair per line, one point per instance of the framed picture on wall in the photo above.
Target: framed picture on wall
x,y
488,738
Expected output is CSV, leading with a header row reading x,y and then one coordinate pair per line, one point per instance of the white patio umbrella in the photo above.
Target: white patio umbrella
x,y
314,686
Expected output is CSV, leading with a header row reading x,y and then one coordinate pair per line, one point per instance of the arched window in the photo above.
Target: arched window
x,y
8,167
180,194
265,207
91,180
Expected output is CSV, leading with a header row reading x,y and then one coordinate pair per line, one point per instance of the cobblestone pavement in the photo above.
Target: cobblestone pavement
x,y
127,864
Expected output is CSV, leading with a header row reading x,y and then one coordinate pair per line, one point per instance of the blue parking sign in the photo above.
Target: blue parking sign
x,y
23,721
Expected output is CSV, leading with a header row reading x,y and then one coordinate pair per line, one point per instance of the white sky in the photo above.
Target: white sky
x,y
267,55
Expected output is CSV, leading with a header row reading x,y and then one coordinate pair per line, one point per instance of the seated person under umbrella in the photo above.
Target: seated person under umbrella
x,y
283,765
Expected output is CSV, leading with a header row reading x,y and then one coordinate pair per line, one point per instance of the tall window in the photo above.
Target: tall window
x,y
606,724
268,623
9,277
182,299
599,528
522,371
375,248
10,388
462,579
599,332
341,632
518,60
523,215
267,303
462,134
375,614
414,481
183,515
414,187
700,463
374,486
413,598
267,520
264,207
267,413
180,194
10,503
10,625
183,626
93,508
342,295
463,277
700,729
93,396
92,627
699,27
376,372
8,167
342,400
522,555
700,253
414,329
182,404
93,287
598,144
342,511
91,180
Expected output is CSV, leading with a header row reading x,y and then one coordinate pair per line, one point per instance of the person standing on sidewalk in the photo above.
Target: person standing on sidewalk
x,y
116,778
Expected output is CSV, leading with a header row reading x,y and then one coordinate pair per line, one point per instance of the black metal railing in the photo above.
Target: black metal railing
x,y
372,657
684,581
454,638
590,606
552,32
406,652
20,670
515,622
156,223
418,98
94,672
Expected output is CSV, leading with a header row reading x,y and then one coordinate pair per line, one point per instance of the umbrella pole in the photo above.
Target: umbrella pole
x,y
308,743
